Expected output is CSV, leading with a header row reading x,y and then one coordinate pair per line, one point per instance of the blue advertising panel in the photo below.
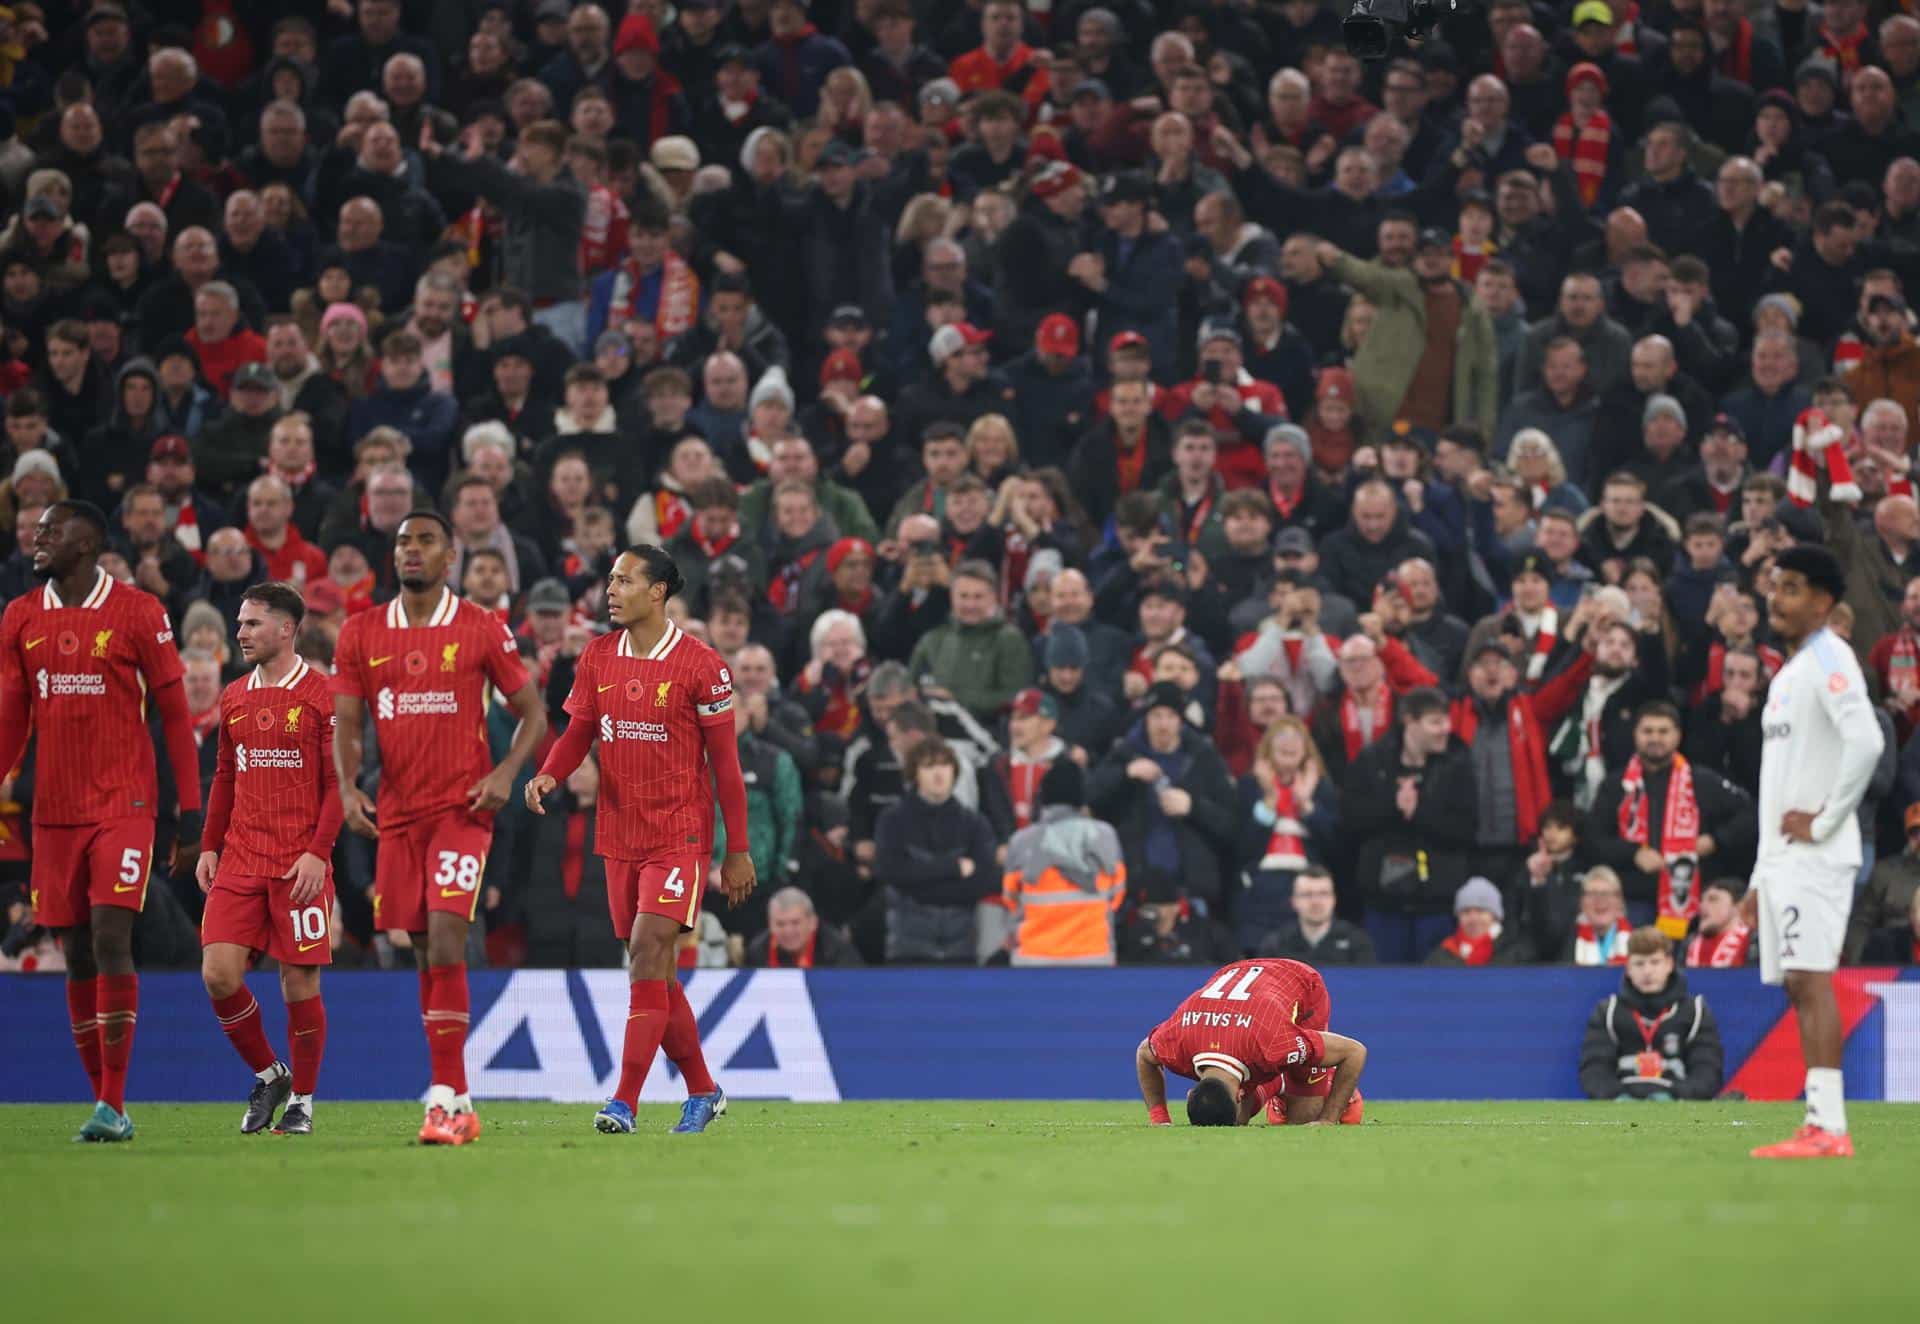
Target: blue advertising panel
x,y
941,1034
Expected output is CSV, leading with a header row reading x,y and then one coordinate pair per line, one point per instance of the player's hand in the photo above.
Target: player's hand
x,y
1797,825
490,792
541,786
186,843
737,876
309,874
1749,908
206,868
359,811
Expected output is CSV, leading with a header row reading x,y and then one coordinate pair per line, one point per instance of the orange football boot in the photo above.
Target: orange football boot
x,y
465,1127
1809,1142
437,1129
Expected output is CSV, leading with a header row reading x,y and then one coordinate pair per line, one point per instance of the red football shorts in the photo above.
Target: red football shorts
x,y
259,913
76,868
430,864
669,885
1302,1082
1354,1115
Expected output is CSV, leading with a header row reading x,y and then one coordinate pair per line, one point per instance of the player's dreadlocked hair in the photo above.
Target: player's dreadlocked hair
x,y
1211,1103
660,567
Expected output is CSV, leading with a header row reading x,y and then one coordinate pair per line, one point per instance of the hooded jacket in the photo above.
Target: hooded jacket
x,y
1065,879
983,666
1391,355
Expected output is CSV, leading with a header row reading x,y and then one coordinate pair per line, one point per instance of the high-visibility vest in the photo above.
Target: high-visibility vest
x,y
1061,922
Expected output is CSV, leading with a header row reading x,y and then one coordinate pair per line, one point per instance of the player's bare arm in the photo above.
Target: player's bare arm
x,y
1348,1058
1153,1084
493,791
349,736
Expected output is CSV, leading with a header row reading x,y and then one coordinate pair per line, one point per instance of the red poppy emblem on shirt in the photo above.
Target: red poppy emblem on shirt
x,y
416,663
635,688
264,719
1837,683
69,642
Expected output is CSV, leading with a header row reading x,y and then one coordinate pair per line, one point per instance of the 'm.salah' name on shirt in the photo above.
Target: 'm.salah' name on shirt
x,y
1217,1020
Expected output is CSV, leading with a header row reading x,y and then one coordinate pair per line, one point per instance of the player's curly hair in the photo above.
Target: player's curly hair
x,y
1211,1103
660,567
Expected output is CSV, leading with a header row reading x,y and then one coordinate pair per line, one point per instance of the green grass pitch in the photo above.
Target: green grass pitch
x,y
962,1211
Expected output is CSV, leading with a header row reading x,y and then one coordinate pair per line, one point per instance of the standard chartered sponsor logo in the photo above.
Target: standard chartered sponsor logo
x,y
389,704
83,683
651,731
259,759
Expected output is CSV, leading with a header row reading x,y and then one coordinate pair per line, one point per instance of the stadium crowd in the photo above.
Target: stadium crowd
x,y
1164,489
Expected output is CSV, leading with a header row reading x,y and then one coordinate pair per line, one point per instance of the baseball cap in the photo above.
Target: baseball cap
x,y
1593,11
849,314
173,446
1404,433
1217,331
954,337
1126,186
1057,335
1434,237
257,375
1127,340
1091,87
552,11
549,595
40,207
1295,541
1728,424
1534,563
104,14
843,365
1891,302
839,153
732,53
1054,178
1035,703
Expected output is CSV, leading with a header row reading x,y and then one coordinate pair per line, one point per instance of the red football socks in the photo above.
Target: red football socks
x,y
682,1041
118,999
239,1017
307,1041
445,1018
647,1013
86,1028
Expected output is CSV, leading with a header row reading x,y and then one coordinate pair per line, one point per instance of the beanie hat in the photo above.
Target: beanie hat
x,y
844,548
1479,894
771,386
1166,694
1066,647
1063,784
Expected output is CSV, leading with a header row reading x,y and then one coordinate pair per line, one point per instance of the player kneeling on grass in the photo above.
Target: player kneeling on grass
x,y
1652,1040
1255,1037
660,703
271,823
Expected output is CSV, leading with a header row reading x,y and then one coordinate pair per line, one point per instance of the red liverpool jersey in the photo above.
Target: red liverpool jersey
x,y
426,687
86,670
275,777
1251,1018
656,795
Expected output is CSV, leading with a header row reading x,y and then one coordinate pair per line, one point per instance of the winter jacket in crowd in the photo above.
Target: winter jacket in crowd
x,y
1664,1045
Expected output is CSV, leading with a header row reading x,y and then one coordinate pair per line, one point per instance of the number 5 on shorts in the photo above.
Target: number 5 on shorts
x,y
133,870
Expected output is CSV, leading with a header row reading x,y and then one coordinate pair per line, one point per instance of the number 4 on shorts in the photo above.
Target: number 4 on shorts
x,y
673,886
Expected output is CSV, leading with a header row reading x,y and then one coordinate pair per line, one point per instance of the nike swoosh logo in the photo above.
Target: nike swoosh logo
x,y
379,661
113,1039
235,721
302,1033
449,1030
451,891
130,887
307,947
35,643
639,1015
604,688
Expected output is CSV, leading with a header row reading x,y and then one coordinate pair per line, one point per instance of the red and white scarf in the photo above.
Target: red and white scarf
x,y
713,548
1586,146
1592,947
1814,435
1725,950
1286,843
803,960
671,513
186,532
679,296
1472,951
603,231
1545,638
1679,839
1903,663
1357,738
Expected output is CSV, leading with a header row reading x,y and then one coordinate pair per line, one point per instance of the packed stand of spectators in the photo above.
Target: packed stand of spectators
x,y
1164,489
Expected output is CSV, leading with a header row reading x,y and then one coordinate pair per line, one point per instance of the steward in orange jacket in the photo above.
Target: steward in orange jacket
x,y
1065,878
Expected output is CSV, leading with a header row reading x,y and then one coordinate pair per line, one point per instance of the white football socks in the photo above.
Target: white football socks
x,y
1827,1099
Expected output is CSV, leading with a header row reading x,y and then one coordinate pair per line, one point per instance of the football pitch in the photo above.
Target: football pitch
x,y
962,1211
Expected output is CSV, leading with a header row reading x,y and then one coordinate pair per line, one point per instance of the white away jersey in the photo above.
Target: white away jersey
x,y
1822,743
